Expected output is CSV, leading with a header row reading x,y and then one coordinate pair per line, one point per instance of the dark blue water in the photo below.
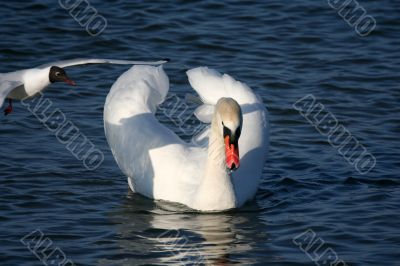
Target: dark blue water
x,y
284,50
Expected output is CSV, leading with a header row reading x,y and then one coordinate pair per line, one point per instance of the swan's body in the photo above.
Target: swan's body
x,y
160,165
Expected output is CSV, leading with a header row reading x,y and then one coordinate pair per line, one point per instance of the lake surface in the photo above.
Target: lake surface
x,y
284,51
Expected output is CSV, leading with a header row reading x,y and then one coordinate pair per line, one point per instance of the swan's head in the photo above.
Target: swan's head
x,y
230,121
58,74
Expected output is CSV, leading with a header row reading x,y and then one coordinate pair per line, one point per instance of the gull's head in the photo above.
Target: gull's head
x,y
58,74
230,119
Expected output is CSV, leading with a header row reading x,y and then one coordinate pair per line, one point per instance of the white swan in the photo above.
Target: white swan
x,y
160,165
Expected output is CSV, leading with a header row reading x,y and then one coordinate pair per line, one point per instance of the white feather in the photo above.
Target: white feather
x,y
157,162
28,82
204,113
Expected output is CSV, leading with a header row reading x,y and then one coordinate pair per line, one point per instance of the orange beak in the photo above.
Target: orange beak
x,y
232,154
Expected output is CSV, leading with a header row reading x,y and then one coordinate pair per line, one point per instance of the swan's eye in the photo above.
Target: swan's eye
x,y
58,74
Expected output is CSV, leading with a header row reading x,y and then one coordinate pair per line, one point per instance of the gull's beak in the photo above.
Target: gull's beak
x,y
69,81
232,153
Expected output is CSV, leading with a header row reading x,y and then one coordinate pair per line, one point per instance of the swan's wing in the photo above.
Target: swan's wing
x,y
253,143
205,113
211,86
157,162
84,61
6,86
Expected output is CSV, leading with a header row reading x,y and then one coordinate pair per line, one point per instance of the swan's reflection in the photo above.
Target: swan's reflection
x,y
167,233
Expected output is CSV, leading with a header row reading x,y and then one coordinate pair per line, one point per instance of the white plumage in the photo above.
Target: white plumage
x,y
159,164
28,82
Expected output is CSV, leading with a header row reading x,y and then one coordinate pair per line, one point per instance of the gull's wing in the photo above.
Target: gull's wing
x,y
84,61
6,87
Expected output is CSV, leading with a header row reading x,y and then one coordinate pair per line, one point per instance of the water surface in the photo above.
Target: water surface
x,y
284,51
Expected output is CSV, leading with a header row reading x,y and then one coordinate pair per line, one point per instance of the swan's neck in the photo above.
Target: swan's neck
x,y
216,189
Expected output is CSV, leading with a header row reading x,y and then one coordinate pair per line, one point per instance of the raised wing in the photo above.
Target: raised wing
x,y
153,157
211,86
205,113
85,61
6,87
